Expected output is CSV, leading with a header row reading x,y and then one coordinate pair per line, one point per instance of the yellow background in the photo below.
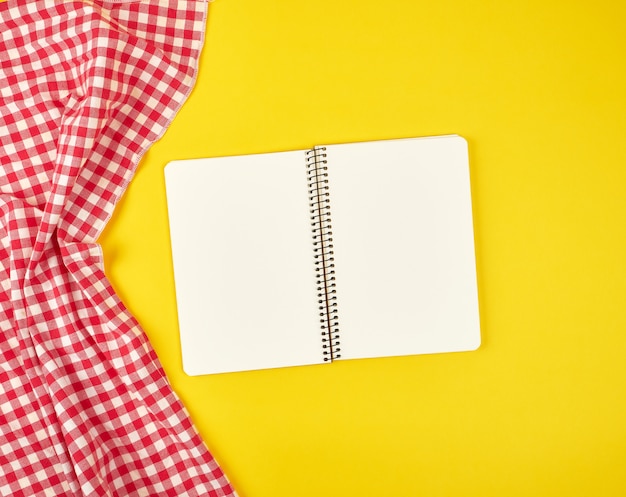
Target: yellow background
x,y
538,89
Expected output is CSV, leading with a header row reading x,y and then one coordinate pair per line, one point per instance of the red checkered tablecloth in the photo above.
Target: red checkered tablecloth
x,y
85,408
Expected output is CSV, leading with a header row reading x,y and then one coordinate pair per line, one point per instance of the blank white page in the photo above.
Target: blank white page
x,y
243,266
404,248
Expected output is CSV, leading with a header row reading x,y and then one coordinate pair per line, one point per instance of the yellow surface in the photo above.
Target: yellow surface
x,y
537,88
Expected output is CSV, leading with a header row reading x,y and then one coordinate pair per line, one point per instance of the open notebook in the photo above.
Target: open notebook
x,y
338,252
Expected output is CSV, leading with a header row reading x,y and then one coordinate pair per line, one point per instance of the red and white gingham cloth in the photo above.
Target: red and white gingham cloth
x,y
85,409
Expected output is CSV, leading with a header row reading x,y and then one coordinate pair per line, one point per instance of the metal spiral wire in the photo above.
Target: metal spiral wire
x,y
319,202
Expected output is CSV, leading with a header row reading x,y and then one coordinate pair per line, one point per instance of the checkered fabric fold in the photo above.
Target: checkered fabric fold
x,y
85,408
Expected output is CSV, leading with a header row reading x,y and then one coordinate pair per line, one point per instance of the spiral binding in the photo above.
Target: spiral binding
x,y
319,201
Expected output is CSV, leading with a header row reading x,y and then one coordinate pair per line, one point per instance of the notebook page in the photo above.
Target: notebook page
x,y
242,253
404,247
